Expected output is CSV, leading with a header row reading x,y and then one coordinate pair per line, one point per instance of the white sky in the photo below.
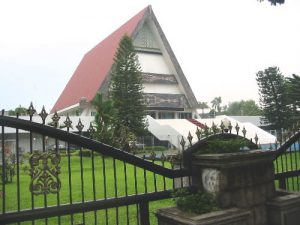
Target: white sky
x,y
219,44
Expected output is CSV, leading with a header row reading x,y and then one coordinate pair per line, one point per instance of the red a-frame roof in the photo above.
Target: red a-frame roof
x,y
94,67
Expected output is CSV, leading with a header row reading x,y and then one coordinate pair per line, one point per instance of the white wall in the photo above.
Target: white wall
x,y
153,63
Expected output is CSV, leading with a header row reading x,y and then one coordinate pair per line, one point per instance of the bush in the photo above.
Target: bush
x,y
85,153
223,146
155,148
200,202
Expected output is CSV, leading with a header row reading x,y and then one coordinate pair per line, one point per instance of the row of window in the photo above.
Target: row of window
x,y
169,115
164,115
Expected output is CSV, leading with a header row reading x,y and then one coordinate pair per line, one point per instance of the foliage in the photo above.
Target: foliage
x,y
200,202
104,119
216,104
275,2
20,110
155,148
203,105
85,153
273,97
126,93
223,146
243,108
293,92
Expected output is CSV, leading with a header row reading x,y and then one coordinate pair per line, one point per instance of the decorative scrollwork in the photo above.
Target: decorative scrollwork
x,y
190,138
182,143
43,114
80,126
31,110
44,170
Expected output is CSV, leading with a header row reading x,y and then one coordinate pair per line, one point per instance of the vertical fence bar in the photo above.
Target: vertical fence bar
x,y
292,166
18,169
82,182
286,169
181,178
164,178
154,177
126,191
144,213
136,192
296,159
45,196
70,175
57,195
70,178
104,186
145,179
3,170
116,189
31,151
94,185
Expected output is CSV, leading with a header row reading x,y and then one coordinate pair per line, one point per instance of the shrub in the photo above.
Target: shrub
x,y
223,146
200,202
85,153
155,148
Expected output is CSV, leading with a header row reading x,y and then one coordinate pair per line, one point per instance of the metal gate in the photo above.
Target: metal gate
x,y
76,180
287,162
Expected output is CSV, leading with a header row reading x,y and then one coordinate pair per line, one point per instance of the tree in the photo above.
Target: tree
x,y
293,87
273,98
126,92
243,108
216,104
104,119
203,105
274,2
20,110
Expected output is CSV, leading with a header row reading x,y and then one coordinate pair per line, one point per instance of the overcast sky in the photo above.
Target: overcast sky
x,y
219,44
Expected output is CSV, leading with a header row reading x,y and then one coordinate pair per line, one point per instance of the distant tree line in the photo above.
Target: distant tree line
x,y
274,2
236,108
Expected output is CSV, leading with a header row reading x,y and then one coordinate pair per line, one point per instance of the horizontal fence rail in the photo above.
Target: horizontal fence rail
x,y
78,180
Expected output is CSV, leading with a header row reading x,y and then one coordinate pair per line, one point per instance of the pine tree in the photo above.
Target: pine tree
x,y
273,98
126,92
294,97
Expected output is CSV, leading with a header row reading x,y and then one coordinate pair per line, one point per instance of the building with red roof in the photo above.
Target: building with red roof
x,y
166,89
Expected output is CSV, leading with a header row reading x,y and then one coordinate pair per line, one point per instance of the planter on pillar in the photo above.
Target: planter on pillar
x,y
242,182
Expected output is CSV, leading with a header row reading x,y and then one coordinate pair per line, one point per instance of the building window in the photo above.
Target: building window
x,y
166,115
152,114
185,115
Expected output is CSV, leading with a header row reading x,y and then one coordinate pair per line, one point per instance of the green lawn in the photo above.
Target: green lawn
x,y
64,194
289,161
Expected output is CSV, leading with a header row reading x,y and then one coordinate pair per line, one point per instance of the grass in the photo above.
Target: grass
x,y
122,171
289,161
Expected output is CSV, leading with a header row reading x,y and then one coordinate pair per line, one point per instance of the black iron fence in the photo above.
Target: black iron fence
x,y
81,181
54,176
287,162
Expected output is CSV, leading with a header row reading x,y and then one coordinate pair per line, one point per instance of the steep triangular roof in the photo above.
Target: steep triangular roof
x,y
92,71
94,67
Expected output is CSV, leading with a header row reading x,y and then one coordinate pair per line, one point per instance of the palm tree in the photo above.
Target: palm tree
x,y
216,104
104,119
203,105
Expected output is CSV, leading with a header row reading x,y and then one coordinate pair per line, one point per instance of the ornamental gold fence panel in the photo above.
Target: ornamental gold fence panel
x,y
54,172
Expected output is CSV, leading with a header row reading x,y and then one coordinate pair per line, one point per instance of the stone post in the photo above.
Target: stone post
x,y
244,180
